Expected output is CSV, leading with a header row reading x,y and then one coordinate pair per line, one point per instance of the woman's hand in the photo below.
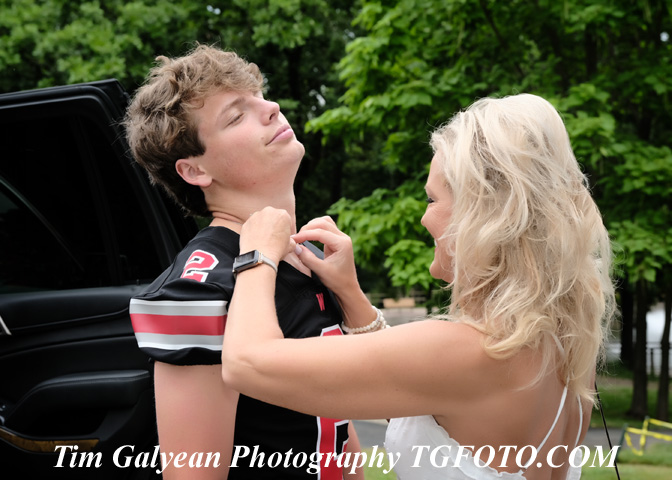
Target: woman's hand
x,y
337,271
268,231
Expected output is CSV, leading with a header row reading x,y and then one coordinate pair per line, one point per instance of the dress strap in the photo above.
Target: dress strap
x,y
557,416
578,434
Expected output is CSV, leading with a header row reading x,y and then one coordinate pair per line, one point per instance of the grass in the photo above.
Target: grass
x,y
655,464
627,472
615,389
616,394
616,402
377,473
658,454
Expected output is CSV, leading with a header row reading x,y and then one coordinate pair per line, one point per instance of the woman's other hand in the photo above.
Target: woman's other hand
x,y
337,270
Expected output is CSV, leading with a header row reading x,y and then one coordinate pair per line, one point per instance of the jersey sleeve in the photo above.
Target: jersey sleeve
x,y
181,317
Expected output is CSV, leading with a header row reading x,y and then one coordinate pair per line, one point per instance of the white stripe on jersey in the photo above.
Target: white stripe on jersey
x,y
177,342
205,308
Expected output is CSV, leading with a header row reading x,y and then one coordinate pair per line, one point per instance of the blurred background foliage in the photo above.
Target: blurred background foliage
x,y
371,79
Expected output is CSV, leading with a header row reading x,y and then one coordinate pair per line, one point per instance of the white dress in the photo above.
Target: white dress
x,y
427,452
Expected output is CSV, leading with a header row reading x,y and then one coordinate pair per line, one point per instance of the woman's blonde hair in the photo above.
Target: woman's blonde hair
x,y
532,257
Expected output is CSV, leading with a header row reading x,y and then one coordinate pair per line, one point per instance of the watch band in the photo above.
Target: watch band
x,y
264,259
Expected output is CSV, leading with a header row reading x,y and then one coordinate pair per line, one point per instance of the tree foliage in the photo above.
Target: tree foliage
x,y
605,64
56,42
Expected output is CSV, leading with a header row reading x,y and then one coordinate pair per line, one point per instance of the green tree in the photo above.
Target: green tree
x,y
56,42
605,64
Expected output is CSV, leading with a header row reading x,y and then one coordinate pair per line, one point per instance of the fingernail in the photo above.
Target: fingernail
x,y
298,249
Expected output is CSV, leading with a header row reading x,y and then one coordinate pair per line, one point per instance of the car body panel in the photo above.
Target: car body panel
x,y
81,232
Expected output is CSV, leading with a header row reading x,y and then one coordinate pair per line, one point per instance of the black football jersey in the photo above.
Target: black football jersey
x,y
181,319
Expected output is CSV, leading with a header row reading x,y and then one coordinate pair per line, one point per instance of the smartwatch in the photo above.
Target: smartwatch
x,y
250,260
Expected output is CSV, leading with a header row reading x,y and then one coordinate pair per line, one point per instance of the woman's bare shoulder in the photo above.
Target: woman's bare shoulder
x,y
455,351
448,336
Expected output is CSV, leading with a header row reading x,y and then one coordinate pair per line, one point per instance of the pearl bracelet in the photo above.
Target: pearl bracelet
x,y
378,324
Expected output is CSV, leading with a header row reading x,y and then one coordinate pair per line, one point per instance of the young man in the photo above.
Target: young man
x,y
203,131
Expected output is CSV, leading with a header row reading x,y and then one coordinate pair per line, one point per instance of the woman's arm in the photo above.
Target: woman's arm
x,y
407,370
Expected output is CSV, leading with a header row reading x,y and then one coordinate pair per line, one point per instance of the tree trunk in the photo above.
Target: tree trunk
x,y
626,323
590,48
663,406
639,405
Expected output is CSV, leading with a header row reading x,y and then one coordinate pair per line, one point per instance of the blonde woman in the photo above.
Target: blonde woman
x,y
501,385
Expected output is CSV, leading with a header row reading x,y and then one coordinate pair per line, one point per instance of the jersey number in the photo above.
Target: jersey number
x,y
332,434
199,264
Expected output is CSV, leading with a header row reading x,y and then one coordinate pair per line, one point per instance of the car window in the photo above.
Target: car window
x,y
32,254
134,247
68,215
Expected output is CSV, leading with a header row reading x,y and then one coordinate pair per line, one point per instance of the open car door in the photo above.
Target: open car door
x,y
81,231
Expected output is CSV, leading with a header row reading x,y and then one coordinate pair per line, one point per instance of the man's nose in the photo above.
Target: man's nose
x,y
270,110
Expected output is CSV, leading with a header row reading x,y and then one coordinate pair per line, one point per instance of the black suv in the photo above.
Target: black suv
x,y
81,231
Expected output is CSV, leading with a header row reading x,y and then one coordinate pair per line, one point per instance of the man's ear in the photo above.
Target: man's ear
x,y
192,172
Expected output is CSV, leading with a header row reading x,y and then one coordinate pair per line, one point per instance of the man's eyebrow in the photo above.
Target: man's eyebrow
x,y
233,104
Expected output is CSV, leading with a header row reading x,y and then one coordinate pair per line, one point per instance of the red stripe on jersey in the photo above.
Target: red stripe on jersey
x,y
178,324
326,441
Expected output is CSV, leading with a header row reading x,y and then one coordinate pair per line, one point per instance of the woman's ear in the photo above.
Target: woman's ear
x,y
192,172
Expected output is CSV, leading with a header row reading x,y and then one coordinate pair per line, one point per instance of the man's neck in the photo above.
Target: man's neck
x,y
234,210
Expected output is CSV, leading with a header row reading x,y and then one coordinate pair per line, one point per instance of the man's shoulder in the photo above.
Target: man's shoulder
x,y
218,239
202,270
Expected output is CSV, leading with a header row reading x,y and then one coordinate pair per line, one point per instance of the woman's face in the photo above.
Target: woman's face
x,y
437,218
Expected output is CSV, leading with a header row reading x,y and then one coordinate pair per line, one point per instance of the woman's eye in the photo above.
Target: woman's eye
x,y
430,200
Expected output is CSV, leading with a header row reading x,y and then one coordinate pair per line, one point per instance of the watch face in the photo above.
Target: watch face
x,y
245,261
246,257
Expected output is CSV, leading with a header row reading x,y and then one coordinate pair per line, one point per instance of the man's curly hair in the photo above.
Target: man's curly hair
x,y
160,126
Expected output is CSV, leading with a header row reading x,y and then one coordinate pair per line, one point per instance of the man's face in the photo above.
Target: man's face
x,y
247,140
